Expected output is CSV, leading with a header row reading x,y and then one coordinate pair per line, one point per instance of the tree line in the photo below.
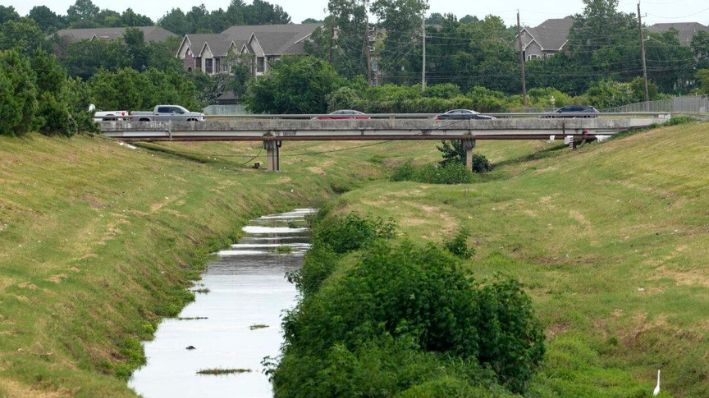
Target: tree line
x,y
85,14
603,44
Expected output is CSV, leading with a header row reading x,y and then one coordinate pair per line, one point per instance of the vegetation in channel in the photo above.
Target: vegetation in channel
x,y
397,317
222,371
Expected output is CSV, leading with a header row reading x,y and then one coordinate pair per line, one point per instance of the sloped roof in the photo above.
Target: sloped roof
x,y
243,32
685,30
275,39
217,42
552,33
150,33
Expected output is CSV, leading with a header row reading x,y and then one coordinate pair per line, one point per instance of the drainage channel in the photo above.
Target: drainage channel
x,y
235,320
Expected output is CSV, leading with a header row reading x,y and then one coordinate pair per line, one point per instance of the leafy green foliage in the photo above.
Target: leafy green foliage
x,y
382,367
200,20
18,93
345,49
318,265
703,77
450,173
129,89
458,245
453,152
400,302
352,232
293,85
400,56
22,35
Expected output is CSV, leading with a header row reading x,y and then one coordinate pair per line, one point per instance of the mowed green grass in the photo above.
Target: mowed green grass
x,y
98,241
611,241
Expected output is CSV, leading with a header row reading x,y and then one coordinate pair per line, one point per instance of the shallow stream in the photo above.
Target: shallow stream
x,y
235,320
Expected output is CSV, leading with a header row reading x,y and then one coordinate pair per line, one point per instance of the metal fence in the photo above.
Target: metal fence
x,y
684,104
225,110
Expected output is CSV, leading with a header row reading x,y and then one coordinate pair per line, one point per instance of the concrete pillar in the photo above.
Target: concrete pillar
x,y
468,145
273,155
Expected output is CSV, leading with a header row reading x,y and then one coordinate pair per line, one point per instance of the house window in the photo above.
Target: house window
x,y
217,65
208,65
260,64
533,56
198,63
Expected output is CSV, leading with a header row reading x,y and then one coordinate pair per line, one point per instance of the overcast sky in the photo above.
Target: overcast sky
x,y
532,14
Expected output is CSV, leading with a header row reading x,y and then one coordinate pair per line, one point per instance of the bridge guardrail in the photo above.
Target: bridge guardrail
x,y
503,115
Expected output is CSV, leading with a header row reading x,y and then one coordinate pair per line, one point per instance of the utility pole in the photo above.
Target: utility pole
x,y
642,55
521,62
423,43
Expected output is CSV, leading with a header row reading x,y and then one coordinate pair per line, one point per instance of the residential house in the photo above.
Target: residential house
x,y
685,30
150,33
261,44
546,39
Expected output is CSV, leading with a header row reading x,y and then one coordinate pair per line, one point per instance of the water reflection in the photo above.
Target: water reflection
x,y
246,287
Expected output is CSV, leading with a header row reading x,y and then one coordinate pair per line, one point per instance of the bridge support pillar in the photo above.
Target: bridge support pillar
x,y
468,145
273,159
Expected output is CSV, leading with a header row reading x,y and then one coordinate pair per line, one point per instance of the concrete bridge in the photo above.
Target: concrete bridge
x,y
273,131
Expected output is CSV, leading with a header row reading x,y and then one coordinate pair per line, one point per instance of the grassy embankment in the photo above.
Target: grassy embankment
x,y
612,242
98,241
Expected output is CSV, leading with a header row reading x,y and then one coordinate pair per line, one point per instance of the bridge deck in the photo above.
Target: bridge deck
x,y
373,129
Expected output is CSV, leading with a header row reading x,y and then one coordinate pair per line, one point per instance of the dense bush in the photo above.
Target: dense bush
x,y
431,316
18,93
293,85
382,367
345,234
132,90
318,264
454,152
451,173
458,244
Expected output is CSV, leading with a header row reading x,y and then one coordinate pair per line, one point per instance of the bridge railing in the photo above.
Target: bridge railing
x,y
505,115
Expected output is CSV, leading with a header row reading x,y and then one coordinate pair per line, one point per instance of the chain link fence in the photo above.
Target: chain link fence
x,y
684,104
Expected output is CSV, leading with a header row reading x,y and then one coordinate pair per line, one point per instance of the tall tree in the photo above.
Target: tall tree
x,y
130,18
294,85
46,19
8,14
82,14
176,22
342,38
401,56
18,94
137,51
23,35
700,49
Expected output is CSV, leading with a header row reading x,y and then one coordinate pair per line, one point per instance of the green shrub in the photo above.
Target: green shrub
x,y
318,264
458,245
382,367
18,93
481,164
405,172
414,294
352,232
454,152
451,173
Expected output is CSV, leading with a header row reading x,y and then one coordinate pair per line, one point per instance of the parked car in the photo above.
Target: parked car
x,y
343,114
167,113
109,116
573,111
463,114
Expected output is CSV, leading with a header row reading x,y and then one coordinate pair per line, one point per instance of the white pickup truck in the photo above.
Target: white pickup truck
x,y
167,113
159,113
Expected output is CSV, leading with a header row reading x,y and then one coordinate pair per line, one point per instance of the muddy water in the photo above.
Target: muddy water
x,y
246,287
